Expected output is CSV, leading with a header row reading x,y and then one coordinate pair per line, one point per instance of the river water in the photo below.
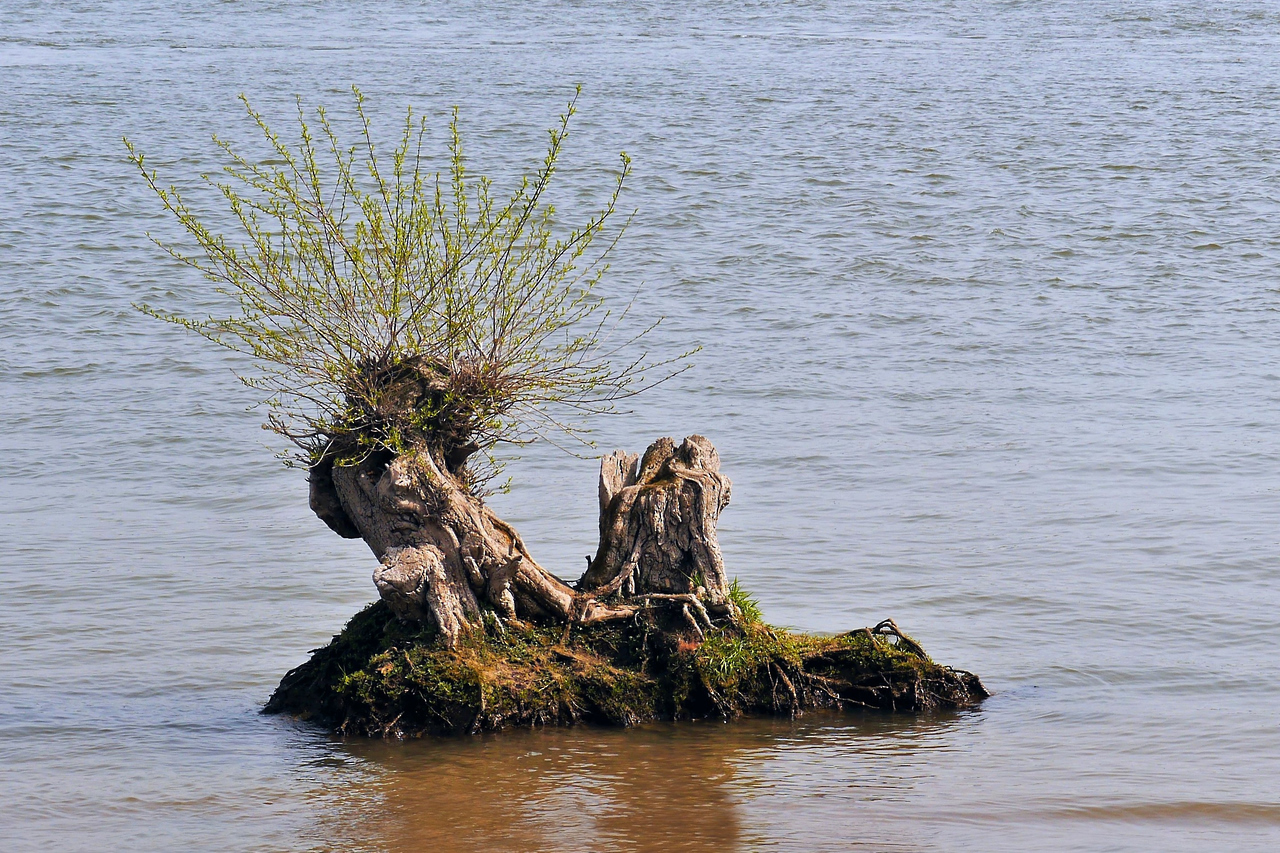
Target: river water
x,y
988,298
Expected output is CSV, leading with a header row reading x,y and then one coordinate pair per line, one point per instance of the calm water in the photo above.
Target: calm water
x,y
990,301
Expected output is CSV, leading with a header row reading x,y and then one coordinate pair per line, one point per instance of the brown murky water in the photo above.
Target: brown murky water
x,y
988,294
702,786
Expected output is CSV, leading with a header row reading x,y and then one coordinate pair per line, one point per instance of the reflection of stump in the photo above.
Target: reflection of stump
x,y
658,520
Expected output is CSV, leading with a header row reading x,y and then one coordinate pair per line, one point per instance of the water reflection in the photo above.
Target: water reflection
x,y
669,787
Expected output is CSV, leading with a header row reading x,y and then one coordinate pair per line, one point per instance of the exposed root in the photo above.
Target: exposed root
x,y
890,628
591,612
693,623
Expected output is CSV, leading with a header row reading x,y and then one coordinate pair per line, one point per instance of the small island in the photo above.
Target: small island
x,y
405,325
653,630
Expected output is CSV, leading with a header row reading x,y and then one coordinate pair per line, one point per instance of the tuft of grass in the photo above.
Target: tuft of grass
x,y
747,605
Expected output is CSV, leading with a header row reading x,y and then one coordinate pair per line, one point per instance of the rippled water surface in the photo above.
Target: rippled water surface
x,y
988,294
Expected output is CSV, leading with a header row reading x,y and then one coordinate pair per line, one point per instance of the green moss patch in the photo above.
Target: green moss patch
x,y
380,677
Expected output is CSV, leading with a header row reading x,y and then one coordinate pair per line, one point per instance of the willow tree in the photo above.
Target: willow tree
x,y
403,323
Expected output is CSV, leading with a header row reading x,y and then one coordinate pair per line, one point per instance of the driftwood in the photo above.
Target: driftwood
x,y
444,555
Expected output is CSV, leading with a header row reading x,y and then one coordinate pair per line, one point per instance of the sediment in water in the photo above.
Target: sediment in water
x,y
384,678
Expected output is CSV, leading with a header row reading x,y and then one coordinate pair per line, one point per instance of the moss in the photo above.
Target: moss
x,y
380,677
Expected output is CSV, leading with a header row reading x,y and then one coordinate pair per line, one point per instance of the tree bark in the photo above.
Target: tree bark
x,y
444,555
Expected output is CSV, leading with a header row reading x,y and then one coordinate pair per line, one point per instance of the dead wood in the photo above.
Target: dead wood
x,y
658,517
445,557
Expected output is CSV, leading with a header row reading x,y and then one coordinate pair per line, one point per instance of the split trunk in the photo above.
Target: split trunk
x,y
445,557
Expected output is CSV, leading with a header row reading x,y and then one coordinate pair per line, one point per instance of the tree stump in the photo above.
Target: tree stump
x,y
444,555
658,516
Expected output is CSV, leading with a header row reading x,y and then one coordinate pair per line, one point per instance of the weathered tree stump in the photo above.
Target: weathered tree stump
x,y
658,516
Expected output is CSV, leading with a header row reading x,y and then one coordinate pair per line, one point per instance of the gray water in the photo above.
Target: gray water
x,y
987,294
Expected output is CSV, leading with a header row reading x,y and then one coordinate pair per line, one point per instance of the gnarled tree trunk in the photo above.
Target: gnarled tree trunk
x,y
444,555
